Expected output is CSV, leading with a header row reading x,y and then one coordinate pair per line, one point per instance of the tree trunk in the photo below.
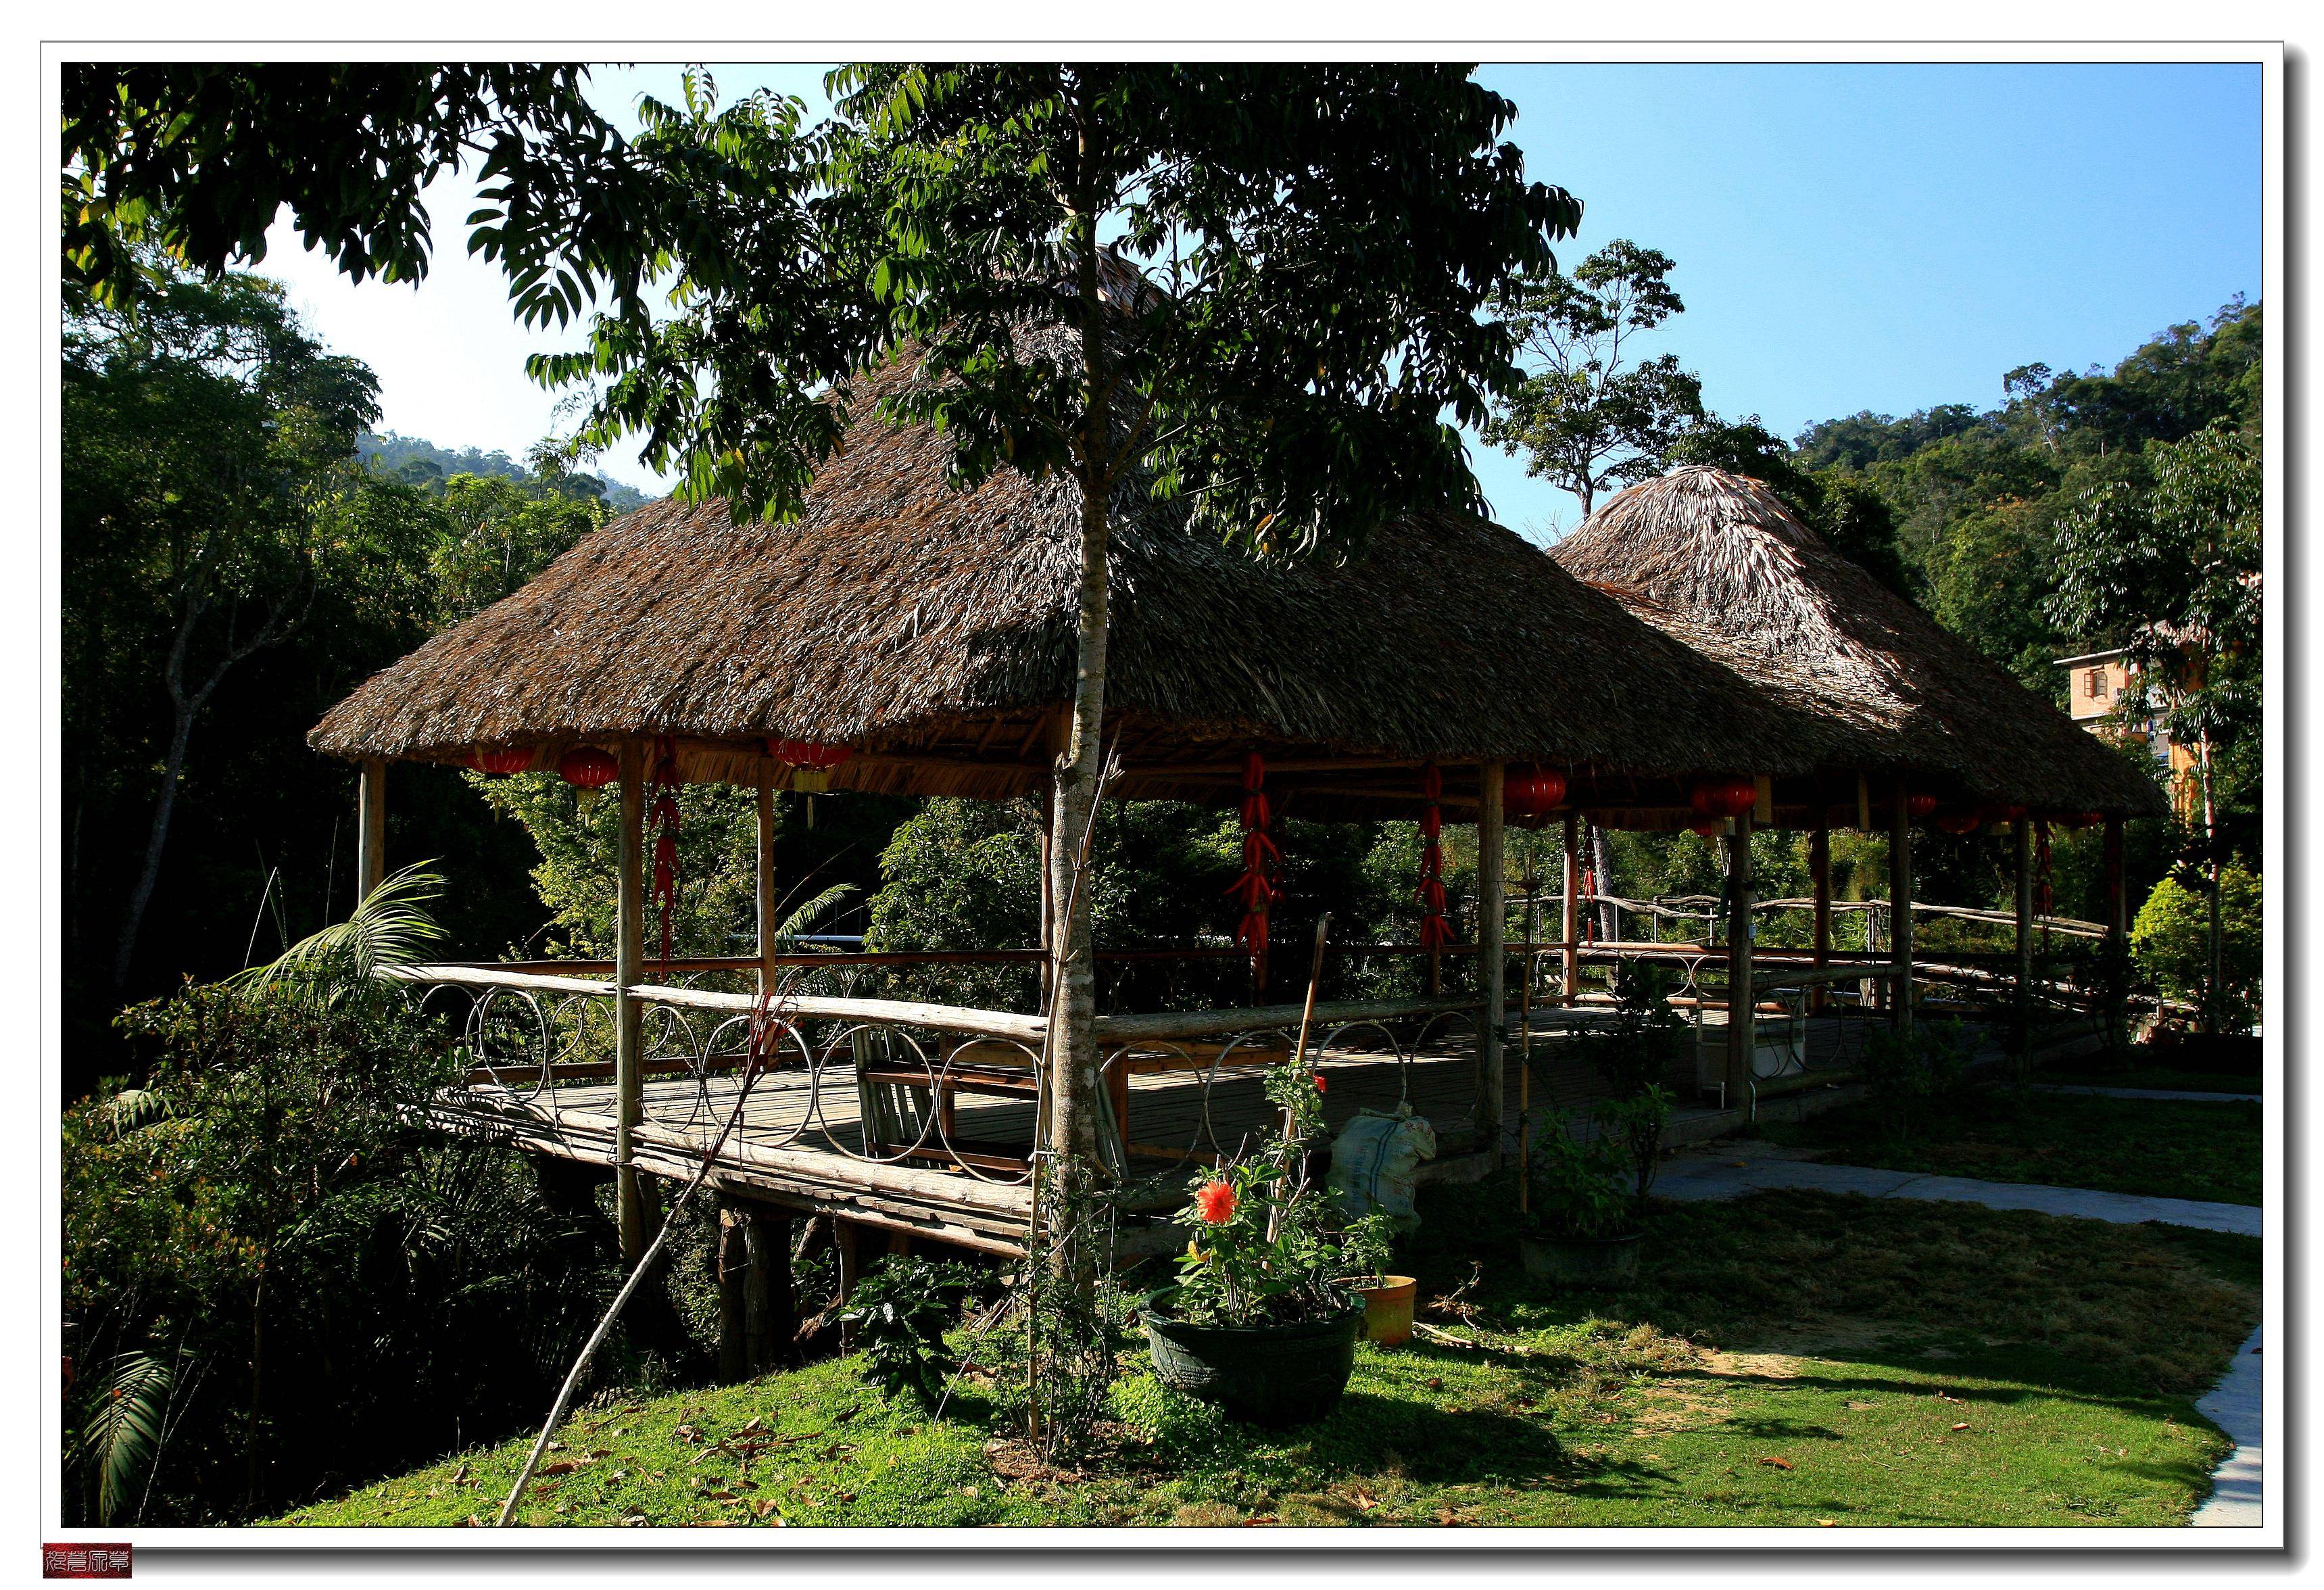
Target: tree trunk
x,y
1602,861
1074,1052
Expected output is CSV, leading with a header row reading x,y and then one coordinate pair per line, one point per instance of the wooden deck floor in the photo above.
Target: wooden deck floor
x,y
801,1145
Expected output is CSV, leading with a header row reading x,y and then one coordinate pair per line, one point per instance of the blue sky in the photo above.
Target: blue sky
x,y
1846,238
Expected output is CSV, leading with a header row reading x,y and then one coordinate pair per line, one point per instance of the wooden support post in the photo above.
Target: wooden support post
x,y
2117,925
629,967
843,1244
371,827
1900,906
2117,899
769,906
734,1282
843,1247
769,1313
1742,1026
1571,971
1492,926
1819,878
1530,961
2024,836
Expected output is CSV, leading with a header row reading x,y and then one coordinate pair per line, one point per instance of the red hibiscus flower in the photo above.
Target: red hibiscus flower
x,y
1319,1082
1216,1201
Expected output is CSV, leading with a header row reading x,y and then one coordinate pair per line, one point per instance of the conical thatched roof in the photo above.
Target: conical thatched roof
x,y
933,630
1717,560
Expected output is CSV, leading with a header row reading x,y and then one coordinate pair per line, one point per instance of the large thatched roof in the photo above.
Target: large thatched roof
x,y
1717,560
933,630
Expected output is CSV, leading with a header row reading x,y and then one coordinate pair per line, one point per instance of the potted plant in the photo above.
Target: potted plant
x,y
1581,1224
1257,1321
1369,1246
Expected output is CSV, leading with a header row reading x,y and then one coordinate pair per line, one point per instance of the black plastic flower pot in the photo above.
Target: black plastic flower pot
x,y
1583,1262
1270,1375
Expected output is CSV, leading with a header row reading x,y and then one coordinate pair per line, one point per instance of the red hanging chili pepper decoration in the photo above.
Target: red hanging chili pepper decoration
x,y
1257,888
1435,926
661,818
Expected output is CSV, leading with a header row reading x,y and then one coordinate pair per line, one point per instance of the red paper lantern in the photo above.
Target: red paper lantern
x,y
1726,797
588,767
504,760
1957,822
810,754
1995,813
1709,830
1533,792
1919,806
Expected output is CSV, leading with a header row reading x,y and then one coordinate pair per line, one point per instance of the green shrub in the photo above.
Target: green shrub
x,y
900,1312
1909,1070
1577,1186
2172,941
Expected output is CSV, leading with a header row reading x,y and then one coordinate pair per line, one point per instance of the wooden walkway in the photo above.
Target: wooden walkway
x,y
800,1146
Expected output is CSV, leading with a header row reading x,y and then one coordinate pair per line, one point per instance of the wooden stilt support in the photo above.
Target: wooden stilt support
x,y
733,1279
1819,878
769,1312
843,1244
629,968
769,906
1572,925
1493,928
1900,906
371,827
1742,1026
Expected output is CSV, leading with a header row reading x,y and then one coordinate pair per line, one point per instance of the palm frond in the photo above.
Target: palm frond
x,y
134,1107
125,1428
796,924
390,926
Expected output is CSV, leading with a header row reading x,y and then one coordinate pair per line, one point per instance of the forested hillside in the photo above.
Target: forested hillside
x,y
423,464
1975,496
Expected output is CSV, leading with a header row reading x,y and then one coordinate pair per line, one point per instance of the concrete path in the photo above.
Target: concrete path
x,y
1731,1169
2234,1406
2149,1092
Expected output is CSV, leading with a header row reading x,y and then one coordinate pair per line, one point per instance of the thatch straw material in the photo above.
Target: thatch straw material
x,y
1716,560
933,630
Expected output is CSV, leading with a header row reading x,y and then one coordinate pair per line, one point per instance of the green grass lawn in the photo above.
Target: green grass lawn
x,y
2163,1148
1792,1359
2161,1078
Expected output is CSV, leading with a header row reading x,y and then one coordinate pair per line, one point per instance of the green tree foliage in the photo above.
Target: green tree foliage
x,y
498,534
197,157
292,1280
2171,938
1588,416
231,571
203,505
2172,571
965,874
1977,496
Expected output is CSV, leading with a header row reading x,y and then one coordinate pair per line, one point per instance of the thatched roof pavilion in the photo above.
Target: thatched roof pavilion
x,y
932,630
1717,560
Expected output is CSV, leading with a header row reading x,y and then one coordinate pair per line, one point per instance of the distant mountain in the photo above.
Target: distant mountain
x,y
418,461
